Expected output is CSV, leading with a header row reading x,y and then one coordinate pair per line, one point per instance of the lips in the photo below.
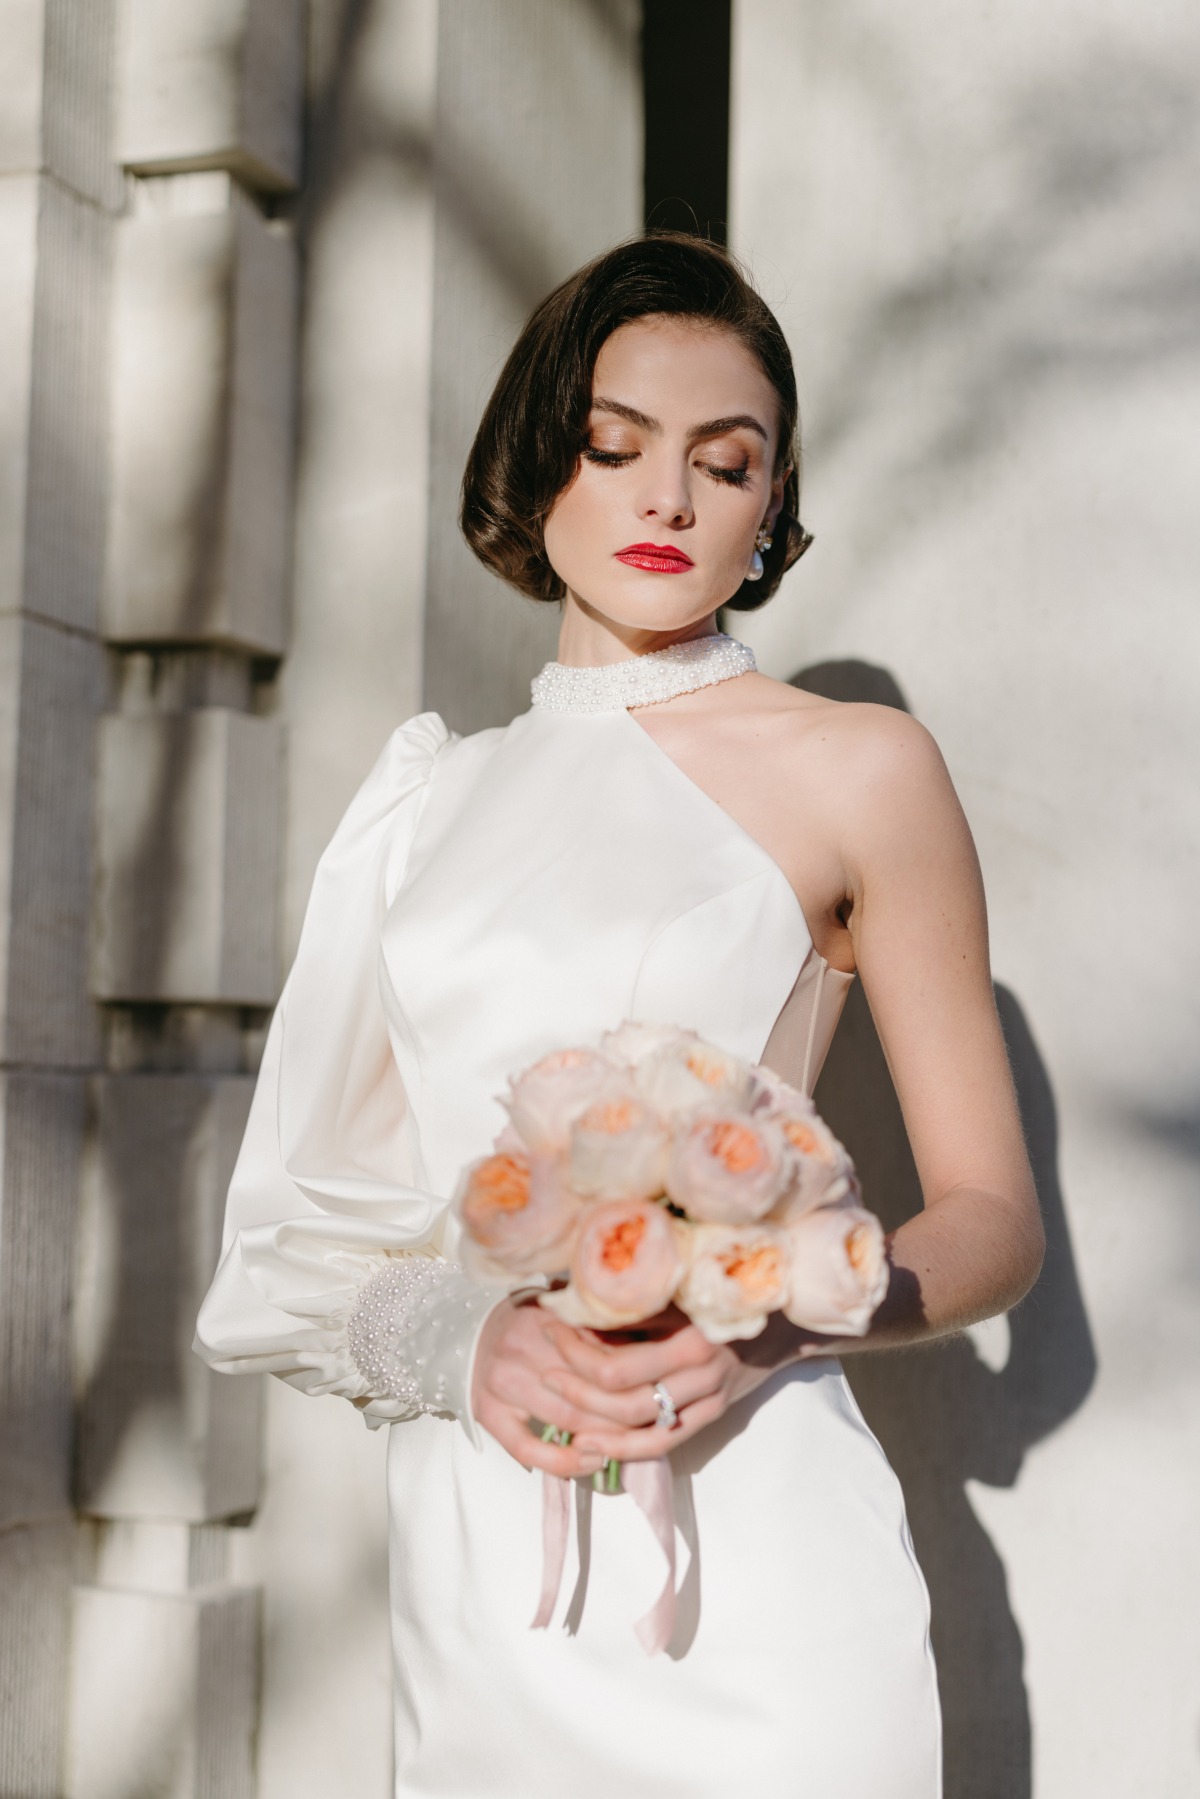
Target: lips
x,y
655,558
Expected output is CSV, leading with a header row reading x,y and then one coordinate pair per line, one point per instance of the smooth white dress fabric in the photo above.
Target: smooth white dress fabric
x,y
488,899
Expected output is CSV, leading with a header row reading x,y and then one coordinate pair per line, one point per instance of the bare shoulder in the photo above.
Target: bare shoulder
x,y
879,749
875,779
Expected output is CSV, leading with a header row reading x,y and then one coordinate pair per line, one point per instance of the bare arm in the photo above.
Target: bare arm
x,y
919,928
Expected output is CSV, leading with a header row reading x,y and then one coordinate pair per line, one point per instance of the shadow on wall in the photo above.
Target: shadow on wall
x,y
943,1416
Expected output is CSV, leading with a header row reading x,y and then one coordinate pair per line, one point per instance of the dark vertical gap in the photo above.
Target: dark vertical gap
x,y
685,87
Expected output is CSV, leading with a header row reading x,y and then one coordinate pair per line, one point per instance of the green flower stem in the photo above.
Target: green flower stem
x,y
606,1479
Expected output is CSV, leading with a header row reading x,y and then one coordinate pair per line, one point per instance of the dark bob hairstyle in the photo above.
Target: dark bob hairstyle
x,y
529,442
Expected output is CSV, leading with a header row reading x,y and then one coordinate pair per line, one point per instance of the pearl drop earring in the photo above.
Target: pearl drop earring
x,y
762,542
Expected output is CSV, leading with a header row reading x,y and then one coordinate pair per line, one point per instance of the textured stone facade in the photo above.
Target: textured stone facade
x,y
221,552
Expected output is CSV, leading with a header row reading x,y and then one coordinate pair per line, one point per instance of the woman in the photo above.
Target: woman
x,y
668,836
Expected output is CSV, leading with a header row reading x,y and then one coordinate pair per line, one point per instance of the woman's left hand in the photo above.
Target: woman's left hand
x,y
615,1377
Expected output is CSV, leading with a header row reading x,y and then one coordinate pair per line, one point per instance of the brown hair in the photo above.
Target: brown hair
x,y
527,448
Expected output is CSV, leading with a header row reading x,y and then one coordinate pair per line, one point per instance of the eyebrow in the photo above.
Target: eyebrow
x,y
710,428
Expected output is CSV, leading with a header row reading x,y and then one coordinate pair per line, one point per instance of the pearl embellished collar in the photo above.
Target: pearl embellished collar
x,y
642,680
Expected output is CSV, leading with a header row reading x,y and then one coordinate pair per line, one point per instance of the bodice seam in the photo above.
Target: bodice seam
x,y
762,874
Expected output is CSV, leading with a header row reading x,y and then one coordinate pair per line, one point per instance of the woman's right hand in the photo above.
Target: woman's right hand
x,y
515,1352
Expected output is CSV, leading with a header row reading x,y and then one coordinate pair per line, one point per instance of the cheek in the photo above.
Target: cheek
x,y
574,520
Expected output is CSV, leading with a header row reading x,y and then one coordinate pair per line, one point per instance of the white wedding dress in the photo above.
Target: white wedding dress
x,y
488,899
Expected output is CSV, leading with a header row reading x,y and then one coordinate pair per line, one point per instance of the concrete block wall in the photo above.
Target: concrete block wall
x,y
148,308
161,1437
187,834
204,346
184,958
58,193
41,1128
191,1729
213,86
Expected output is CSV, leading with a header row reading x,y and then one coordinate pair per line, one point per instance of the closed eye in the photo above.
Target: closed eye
x,y
729,477
608,458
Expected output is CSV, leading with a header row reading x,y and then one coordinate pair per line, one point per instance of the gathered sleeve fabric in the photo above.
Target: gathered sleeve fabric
x,y
330,1276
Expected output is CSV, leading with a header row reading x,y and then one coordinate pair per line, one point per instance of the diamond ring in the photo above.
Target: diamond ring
x,y
668,1414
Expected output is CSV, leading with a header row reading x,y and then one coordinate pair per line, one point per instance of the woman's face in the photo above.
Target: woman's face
x,y
679,459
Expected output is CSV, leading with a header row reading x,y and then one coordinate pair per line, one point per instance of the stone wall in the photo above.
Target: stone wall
x,y
229,567
145,525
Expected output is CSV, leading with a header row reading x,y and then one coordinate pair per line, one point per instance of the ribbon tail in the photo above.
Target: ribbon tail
x,y
652,1488
556,1502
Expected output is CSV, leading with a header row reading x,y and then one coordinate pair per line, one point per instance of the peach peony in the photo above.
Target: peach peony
x,y
688,1074
736,1276
518,1217
545,1101
618,1150
822,1173
839,1270
727,1168
627,1263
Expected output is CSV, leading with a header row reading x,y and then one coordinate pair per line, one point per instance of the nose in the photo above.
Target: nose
x,y
666,493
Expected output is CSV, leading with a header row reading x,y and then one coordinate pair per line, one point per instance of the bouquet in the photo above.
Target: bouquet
x,y
659,1170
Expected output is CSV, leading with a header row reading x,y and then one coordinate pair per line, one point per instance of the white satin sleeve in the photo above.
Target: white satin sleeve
x,y
329,1275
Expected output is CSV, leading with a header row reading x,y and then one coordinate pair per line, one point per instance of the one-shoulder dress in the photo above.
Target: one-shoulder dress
x,y
487,899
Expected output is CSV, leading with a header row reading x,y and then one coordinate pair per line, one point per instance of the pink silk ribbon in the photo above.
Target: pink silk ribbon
x,y
556,1504
650,1486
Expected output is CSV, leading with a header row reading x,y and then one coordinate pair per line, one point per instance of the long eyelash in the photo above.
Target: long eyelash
x,y
608,458
731,477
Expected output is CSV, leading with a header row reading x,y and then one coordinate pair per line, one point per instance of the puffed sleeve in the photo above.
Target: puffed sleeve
x,y
329,1275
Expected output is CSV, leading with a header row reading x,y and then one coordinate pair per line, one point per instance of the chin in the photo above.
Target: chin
x,y
650,606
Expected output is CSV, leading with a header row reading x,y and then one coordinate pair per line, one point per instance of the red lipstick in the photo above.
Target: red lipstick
x,y
655,558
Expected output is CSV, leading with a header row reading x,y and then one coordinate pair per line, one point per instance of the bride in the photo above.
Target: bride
x,y
669,836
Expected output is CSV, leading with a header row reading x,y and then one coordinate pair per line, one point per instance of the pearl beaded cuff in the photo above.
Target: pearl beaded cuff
x,y
413,1331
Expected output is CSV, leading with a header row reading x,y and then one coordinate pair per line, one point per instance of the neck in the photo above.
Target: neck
x,y
587,639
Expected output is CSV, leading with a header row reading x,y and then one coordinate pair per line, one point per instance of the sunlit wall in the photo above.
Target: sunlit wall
x,y
978,228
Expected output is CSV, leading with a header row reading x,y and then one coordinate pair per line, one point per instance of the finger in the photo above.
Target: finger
x,y
647,1444
512,1432
625,1409
522,1389
636,1405
617,1367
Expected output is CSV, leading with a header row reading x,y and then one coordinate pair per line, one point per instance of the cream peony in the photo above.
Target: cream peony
x,y
518,1217
727,1168
627,1263
688,1074
545,1101
736,1276
618,1150
839,1270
